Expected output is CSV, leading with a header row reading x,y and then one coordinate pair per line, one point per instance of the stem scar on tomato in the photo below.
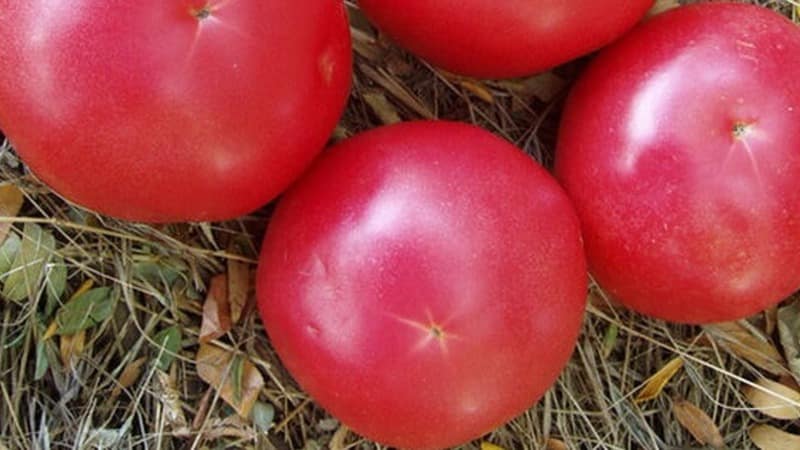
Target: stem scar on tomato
x,y
202,13
741,129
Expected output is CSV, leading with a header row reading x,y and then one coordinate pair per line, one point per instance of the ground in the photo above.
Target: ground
x,y
100,379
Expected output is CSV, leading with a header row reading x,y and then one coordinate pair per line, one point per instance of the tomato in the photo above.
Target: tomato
x,y
680,147
171,110
424,282
503,39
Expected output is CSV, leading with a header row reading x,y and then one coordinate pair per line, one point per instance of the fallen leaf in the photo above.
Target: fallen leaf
x,y
478,90
263,416
555,444
85,310
774,399
237,380
167,392
168,341
8,252
71,347
661,6
489,446
216,310
789,333
24,278
382,107
11,199
655,384
238,288
740,340
697,423
767,437
129,375
338,441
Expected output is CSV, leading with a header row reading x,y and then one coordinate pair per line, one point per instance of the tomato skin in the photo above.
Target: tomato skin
x,y
503,39
146,112
679,147
424,282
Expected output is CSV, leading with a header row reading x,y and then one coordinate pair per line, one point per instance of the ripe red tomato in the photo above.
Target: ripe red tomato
x,y
503,39
171,110
680,147
424,282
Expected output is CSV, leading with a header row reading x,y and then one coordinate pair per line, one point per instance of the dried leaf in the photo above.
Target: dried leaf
x,y
216,310
27,270
238,387
72,347
11,199
489,446
740,340
774,399
655,384
382,107
238,288
168,343
129,376
85,310
789,332
661,6
697,423
767,437
478,90
338,441
555,444
545,86
170,398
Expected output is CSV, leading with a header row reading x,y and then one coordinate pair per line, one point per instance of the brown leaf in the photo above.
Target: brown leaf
x,y
238,288
381,106
774,399
338,441
789,333
230,427
72,348
11,199
740,340
236,379
167,392
478,90
129,376
216,310
555,444
697,423
545,86
661,6
767,437
655,384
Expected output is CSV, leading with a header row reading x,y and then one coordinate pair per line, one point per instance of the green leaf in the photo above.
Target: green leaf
x,y
56,283
85,311
27,270
237,373
8,252
42,363
263,415
158,272
169,343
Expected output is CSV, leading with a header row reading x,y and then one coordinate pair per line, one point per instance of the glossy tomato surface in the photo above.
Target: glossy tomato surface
x,y
171,110
503,38
680,147
424,282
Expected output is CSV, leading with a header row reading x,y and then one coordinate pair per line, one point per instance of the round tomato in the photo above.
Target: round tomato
x,y
424,282
503,39
680,147
171,110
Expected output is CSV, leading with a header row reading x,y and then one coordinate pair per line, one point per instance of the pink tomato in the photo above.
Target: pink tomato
x,y
171,110
424,282
503,38
680,147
